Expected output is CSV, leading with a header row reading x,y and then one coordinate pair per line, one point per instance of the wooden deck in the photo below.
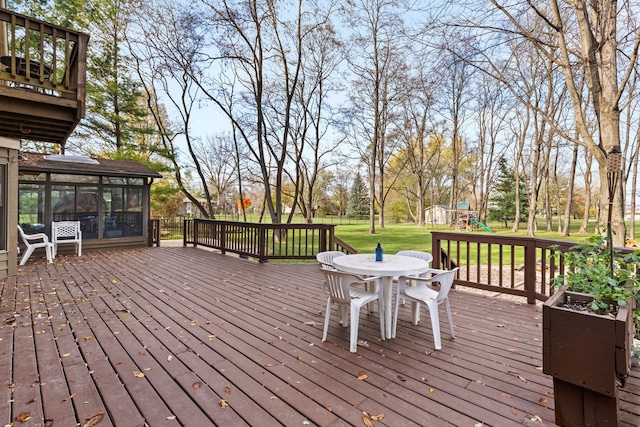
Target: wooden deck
x,y
183,336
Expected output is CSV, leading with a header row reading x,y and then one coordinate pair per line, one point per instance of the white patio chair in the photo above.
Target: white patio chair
x,y
33,242
421,293
348,297
326,263
416,254
66,232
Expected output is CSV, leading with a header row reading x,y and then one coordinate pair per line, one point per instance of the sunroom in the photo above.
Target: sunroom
x,y
110,198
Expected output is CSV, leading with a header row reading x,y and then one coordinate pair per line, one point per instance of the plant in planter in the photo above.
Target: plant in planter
x,y
588,332
589,272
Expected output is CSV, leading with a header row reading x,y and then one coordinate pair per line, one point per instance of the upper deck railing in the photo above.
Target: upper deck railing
x,y
39,55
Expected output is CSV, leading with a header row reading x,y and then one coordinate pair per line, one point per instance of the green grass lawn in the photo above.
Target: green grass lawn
x,y
396,237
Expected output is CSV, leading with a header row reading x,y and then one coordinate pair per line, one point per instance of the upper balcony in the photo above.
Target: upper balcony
x,y
42,78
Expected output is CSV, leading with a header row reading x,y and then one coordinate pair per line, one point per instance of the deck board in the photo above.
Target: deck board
x,y
185,336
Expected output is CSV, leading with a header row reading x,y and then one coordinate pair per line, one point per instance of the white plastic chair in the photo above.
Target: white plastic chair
x,y
326,259
326,263
426,256
66,232
421,293
346,296
33,242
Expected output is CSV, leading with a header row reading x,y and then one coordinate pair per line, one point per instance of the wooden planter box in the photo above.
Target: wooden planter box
x,y
587,354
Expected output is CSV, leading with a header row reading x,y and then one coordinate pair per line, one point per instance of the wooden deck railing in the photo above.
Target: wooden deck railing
x,y
42,56
515,265
264,241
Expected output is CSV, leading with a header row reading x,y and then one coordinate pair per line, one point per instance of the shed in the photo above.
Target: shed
x,y
437,214
110,198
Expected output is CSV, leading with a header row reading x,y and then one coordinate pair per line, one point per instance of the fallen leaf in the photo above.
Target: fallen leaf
x,y
432,390
401,378
227,390
69,397
65,355
87,338
25,416
377,417
196,385
513,411
171,417
169,358
478,425
270,365
363,377
538,418
328,407
138,374
367,422
90,422
543,400
522,379
508,396
299,359
223,403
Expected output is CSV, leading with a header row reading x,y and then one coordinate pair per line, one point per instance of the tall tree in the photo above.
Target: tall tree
x,y
376,58
588,47
116,111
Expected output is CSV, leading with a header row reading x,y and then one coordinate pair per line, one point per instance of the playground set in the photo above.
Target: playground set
x,y
462,218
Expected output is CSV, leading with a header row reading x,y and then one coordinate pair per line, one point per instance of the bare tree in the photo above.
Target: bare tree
x,y
375,56
492,111
167,52
588,46
217,157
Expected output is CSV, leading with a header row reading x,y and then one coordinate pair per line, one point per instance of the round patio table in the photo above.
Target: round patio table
x,y
391,266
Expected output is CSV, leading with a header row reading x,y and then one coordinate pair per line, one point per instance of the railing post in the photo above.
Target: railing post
x,y
195,232
223,235
436,250
262,244
530,270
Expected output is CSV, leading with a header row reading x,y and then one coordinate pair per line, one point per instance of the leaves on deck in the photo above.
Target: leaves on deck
x,y
93,421
223,403
25,416
362,375
138,374
367,419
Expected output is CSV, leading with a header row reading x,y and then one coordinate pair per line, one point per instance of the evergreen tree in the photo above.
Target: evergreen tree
x,y
358,198
503,203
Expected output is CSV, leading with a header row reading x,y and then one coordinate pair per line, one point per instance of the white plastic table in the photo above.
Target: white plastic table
x,y
390,267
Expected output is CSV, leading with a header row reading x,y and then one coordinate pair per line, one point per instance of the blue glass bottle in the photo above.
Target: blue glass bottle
x,y
379,253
